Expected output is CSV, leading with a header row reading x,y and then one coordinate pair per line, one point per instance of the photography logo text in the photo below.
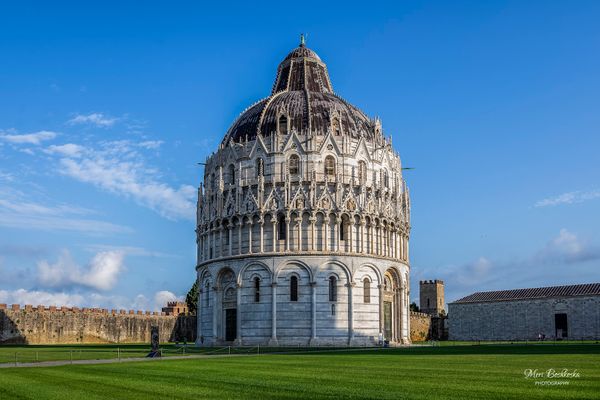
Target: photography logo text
x,y
551,376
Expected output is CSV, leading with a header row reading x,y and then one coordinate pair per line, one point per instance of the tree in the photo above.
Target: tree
x,y
192,298
414,307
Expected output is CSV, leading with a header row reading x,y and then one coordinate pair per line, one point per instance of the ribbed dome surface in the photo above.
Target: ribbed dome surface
x,y
303,93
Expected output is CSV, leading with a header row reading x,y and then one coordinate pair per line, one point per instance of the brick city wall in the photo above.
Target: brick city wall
x,y
62,325
420,325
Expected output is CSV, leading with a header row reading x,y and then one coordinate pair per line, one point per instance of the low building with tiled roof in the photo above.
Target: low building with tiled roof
x,y
555,312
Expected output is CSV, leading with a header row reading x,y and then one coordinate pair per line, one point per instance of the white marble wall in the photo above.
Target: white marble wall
x,y
309,320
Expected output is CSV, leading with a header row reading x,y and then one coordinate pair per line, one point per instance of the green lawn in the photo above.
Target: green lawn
x,y
459,372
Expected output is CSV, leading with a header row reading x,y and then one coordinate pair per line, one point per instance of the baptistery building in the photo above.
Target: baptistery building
x,y
303,222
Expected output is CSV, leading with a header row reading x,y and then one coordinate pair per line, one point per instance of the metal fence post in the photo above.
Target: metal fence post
x,y
71,355
16,359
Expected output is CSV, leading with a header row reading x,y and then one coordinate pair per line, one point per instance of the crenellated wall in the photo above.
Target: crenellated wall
x,y
62,325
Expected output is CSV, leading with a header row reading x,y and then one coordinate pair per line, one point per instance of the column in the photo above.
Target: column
x,y
336,235
405,316
371,236
313,337
241,225
362,236
398,314
351,235
380,309
287,233
220,241
215,310
350,312
299,226
199,315
312,220
262,240
209,238
238,316
230,233
325,233
275,232
273,340
250,236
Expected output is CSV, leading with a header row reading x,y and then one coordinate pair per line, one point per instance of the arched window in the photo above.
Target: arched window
x,y
282,227
330,166
294,288
366,290
342,230
213,181
335,126
362,172
260,167
332,288
231,173
283,125
294,164
257,290
386,179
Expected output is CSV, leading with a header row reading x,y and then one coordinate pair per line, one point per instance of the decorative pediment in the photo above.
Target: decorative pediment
x,y
250,203
259,149
293,143
300,200
273,201
329,145
326,201
362,151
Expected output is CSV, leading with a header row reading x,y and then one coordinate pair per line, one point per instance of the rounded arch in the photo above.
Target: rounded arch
x,y
222,274
344,267
373,268
296,263
240,276
205,276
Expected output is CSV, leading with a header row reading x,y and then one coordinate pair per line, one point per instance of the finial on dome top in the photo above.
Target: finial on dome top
x,y
302,40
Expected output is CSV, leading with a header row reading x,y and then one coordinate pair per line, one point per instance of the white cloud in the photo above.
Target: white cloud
x,y
121,170
29,138
151,144
163,297
128,250
96,300
567,247
40,297
97,119
100,274
17,211
69,149
569,198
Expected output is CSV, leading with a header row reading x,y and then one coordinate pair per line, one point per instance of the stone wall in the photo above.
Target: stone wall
x,y
524,319
55,325
420,325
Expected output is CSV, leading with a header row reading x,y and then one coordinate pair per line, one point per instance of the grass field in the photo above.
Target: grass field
x,y
455,372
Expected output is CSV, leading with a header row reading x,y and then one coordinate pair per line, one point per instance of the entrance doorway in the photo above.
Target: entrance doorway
x,y
230,324
560,323
387,320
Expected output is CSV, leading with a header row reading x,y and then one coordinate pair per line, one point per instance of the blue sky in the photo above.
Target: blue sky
x,y
106,108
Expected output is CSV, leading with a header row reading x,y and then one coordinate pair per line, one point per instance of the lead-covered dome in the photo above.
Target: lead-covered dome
x,y
302,100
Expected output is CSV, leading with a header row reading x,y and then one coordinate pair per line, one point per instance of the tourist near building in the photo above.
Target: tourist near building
x,y
559,312
303,222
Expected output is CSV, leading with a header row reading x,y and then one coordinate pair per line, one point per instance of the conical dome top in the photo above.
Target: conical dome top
x,y
302,69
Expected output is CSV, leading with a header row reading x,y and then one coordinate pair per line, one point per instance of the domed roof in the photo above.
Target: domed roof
x,y
302,94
